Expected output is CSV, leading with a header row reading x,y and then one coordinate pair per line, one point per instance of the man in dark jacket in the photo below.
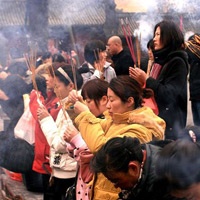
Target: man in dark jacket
x,y
131,167
121,58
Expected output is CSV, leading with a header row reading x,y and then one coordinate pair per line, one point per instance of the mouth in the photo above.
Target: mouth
x,y
110,113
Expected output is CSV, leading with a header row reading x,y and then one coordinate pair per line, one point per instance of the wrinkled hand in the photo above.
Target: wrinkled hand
x,y
70,132
80,107
139,75
42,112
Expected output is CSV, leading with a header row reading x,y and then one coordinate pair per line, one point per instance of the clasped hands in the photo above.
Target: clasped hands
x,y
77,101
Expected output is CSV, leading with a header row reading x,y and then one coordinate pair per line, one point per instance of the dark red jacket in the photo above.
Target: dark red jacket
x,y
42,148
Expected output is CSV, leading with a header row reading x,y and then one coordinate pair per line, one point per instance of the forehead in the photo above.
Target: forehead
x,y
113,175
58,81
110,93
110,41
157,29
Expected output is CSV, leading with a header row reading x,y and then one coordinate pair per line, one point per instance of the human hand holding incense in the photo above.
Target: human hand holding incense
x,y
139,75
99,66
42,113
73,97
80,107
70,132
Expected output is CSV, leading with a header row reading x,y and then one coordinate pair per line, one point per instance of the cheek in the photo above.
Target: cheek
x,y
89,106
92,107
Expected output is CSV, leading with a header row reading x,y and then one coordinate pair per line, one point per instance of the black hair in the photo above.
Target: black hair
x,y
92,49
58,58
94,89
150,44
68,69
46,55
41,85
116,154
170,35
124,87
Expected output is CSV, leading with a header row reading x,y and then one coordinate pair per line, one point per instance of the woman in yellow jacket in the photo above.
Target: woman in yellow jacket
x,y
126,117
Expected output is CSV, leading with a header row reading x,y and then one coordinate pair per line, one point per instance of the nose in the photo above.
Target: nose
x,y
108,105
107,48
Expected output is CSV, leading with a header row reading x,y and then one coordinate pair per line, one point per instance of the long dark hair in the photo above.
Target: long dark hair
x,y
92,49
170,35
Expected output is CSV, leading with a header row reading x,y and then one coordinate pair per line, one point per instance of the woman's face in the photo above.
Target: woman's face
x,y
192,193
61,90
49,81
96,111
150,54
157,43
103,55
115,104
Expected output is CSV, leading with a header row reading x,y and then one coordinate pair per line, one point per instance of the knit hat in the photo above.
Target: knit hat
x,y
193,44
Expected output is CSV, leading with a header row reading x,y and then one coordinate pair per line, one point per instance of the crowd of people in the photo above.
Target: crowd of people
x,y
108,128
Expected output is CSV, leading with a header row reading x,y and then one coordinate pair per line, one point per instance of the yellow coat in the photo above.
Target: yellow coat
x,y
141,123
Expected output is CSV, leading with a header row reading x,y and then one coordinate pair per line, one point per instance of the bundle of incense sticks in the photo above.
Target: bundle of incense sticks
x,y
69,104
138,40
128,35
30,60
74,75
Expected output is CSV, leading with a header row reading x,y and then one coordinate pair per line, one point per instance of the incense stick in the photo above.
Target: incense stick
x,y
74,75
138,51
127,33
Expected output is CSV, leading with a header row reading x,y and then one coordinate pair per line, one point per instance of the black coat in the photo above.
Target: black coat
x,y
170,90
122,61
194,78
14,87
149,186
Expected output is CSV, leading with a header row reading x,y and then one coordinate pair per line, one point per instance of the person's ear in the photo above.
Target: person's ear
x,y
134,169
104,100
130,102
71,86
